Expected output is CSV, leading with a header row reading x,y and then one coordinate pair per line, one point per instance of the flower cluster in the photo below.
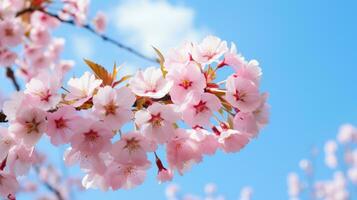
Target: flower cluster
x,y
27,24
110,125
341,158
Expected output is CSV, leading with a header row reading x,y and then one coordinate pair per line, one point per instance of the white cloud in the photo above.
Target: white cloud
x,y
144,23
82,46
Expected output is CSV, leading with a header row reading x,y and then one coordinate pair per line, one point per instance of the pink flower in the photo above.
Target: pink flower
x,y
182,151
92,139
8,185
132,148
242,94
82,89
150,83
178,57
186,79
77,9
42,62
88,162
7,57
233,140
246,123
17,102
41,19
100,22
64,66
164,175
62,124
209,50
43,89
29,126
20,159
199,108
113,106
126,176
33,51
233,59
55,48
7,141
157,122
262,112
207,141
11,32
347,133
40,36
250,71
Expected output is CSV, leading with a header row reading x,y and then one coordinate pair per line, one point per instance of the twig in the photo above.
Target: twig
x,y
49,186
92,30
2,117
11,75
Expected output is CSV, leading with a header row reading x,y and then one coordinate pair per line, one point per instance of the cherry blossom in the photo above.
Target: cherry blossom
x,y
209,50
92,139
8,184
100,22
113,106
29,126
183,151
150,83
157,122
82,89
233,140
43,90
110,124
242,94
132,148
198,109
186,79
62,125
11,32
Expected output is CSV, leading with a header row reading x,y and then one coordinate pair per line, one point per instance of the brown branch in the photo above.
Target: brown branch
x,y
2,117
11,75
48,185
92,30
3,164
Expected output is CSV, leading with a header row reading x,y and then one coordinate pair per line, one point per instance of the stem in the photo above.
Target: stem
x,y
11,75
49,186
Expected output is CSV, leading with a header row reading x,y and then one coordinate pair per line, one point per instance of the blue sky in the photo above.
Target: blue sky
x,y
307,52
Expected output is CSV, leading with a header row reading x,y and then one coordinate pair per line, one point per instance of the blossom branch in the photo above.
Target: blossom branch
x,y
92,30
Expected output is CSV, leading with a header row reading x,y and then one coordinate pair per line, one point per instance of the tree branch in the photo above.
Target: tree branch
x,y
49,186
11,75
92,30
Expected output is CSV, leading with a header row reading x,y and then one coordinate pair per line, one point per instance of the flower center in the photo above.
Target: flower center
x,y
129,170
200,107
186,84
156,120
32,126
238,96
60,123
132,144
91,135
45,96
9,32
110,109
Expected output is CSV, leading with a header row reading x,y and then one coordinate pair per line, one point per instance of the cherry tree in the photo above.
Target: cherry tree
x,y
340,158
183,104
